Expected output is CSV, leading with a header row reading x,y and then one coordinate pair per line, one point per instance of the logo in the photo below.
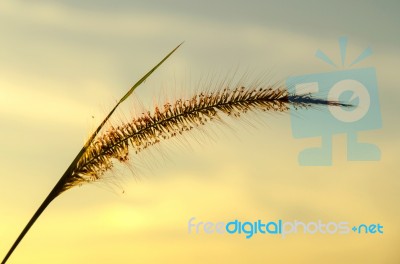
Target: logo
x,y
281,228
357,87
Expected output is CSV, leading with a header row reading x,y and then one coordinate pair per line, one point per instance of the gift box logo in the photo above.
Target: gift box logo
x,y
357,87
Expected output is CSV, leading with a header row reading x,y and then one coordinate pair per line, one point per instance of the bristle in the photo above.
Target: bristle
x,y
178,118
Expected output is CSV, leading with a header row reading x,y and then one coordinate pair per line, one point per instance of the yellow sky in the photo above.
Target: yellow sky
x,y
61,64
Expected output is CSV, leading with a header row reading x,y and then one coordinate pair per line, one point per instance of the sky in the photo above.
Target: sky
x,y
64,64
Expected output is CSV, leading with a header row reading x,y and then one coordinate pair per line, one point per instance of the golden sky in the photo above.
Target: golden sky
x,y
62,62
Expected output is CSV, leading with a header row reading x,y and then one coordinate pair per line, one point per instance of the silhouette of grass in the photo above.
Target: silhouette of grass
x,y
168,121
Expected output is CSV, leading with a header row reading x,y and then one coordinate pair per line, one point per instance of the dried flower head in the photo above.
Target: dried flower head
x,y
165,122
178,118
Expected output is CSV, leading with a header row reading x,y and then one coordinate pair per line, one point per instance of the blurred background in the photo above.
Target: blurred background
x,y
63,65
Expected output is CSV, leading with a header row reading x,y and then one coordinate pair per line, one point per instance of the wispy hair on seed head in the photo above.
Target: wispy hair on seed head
x,y
170,120
179,118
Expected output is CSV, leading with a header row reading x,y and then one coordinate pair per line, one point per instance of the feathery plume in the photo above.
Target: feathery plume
x,y
178,118
170,120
